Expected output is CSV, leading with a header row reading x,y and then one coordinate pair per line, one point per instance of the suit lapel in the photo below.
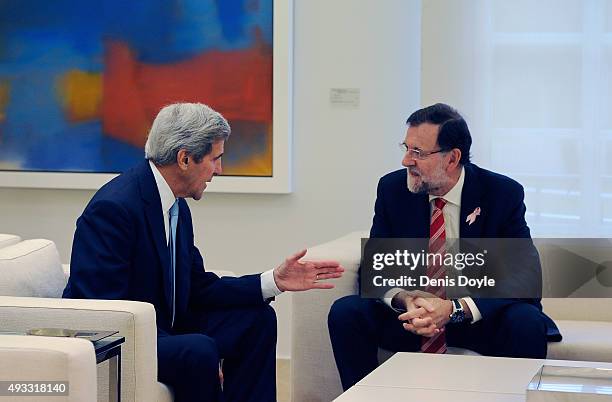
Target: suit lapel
x,y
155,220
420,226
471,198
411,211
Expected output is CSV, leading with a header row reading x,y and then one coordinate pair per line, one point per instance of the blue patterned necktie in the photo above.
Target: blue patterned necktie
x,y
174,210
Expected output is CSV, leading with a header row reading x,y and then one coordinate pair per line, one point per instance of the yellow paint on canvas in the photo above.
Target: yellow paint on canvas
x,y
256,165
81,95
5,89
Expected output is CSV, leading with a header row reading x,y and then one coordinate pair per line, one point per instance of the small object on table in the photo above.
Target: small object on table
x,y
90,335
584,384
61,332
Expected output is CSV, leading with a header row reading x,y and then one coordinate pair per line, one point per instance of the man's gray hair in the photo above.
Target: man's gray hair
x,y
193,127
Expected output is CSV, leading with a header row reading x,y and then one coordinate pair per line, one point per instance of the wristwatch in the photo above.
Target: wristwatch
x,y
458,314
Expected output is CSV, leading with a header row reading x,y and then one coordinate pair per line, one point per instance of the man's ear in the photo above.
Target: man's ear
x,y
182,159
455,158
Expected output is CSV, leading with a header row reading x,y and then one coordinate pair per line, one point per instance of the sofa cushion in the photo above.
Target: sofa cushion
x,y
583,340
31,268
579,309
8,240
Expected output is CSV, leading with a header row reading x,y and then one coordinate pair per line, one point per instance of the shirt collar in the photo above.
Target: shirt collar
x,y
165,193
454,195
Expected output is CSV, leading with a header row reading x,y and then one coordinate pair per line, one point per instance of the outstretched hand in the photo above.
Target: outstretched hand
x,y
297,275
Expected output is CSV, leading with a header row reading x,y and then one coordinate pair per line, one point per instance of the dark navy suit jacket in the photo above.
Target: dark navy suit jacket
x,y
402,214
120,252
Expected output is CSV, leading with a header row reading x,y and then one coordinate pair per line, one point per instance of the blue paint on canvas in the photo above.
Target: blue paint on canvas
x,y
42,41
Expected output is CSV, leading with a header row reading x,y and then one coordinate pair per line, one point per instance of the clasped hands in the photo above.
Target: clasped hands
x,y
426,314
297,275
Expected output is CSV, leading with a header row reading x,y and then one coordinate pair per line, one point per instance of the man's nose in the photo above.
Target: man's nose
x,y
218,167
408,161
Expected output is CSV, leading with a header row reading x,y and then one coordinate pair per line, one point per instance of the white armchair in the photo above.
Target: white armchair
x,y
32,358
32,280
586,325
31,283
134,320
314,376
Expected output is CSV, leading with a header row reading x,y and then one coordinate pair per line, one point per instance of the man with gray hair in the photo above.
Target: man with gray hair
x,y
134,241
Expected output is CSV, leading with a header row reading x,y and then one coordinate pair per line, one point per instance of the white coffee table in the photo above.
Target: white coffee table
x,y
425,377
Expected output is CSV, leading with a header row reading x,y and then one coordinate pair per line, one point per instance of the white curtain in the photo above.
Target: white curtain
x,y
533,79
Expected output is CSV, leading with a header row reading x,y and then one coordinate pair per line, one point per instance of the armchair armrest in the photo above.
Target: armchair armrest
x,y
312,357
134,320
34,358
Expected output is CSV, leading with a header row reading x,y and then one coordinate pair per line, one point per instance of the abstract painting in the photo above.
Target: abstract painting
x,y
81,81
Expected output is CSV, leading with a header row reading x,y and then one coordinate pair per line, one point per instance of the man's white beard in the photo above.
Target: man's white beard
x,y
413,187
437,180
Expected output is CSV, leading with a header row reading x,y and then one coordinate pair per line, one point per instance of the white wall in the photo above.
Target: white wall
x,y
452,54
339,154
534,80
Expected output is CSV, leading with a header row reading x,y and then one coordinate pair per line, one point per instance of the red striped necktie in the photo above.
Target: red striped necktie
x,y
437,246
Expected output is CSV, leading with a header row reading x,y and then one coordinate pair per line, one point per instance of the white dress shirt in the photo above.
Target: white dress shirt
x,y
268,285
451,212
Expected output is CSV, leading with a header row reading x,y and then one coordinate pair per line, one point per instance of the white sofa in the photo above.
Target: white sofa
x,y
32,279
32,358
586,325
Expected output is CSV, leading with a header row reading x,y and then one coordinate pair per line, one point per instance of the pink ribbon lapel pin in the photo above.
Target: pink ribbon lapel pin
x,y
471,218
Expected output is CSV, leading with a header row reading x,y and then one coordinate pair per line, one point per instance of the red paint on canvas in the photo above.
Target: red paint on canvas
x,y
235,83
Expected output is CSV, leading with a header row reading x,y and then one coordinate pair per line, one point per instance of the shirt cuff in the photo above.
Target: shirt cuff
x,y
268,285
388,297
476,316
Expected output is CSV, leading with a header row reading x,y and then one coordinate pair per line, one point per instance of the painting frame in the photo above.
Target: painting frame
x,y
282,125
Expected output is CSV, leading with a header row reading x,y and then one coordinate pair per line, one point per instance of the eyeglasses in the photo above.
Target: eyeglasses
x,y
416,153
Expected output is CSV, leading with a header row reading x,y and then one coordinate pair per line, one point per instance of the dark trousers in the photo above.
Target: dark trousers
x,y
358,327
245,338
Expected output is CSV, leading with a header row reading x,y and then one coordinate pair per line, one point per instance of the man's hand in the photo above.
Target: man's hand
x,y
426,316
304,275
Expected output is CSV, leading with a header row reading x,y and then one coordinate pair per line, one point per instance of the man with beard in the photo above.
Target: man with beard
x,y
439,195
